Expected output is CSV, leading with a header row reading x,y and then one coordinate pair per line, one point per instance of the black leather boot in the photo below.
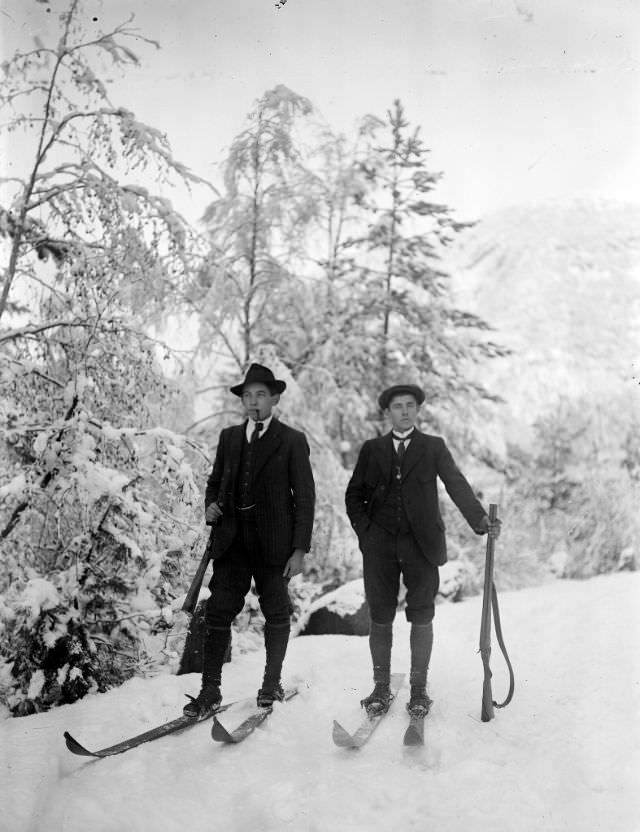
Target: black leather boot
x,y
268,694
276,639
380,644
378,700
214,647
204,704
419,703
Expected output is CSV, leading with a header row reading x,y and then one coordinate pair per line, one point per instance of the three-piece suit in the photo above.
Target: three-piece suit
x,y
395,512
267,504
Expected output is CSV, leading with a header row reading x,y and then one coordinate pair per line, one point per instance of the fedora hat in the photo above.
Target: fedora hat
x,y
259,374
384,400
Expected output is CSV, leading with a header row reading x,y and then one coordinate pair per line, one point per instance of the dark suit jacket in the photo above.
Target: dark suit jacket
x,y
284,491
426,459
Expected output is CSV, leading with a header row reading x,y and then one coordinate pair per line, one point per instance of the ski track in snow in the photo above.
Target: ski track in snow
x,y
564,755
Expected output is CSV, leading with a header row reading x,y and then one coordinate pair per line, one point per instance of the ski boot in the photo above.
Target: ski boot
x,y
379,699
268,694
419,703
204,704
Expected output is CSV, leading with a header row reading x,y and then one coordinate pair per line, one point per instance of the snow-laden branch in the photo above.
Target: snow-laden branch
x,y
34,329
59,126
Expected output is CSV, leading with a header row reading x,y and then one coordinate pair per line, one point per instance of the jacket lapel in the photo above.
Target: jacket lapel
x,y
235,451
268,445
414,452
384,455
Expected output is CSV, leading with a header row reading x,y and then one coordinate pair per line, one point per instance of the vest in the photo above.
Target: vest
x,y
391,515
244,488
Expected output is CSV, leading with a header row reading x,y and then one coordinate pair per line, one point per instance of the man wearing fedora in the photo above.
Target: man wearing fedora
x,y
260,496
392,503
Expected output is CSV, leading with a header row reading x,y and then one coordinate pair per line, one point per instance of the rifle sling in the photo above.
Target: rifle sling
x,y
496,618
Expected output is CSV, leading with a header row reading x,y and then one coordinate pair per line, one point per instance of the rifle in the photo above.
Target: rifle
x,y
489,602
191,598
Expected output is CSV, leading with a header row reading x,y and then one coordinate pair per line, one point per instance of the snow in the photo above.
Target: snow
x,y
563,756
15,487
346,600
39,594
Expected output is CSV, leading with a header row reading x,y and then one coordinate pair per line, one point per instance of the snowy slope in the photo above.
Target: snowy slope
x,y
565,755
560,282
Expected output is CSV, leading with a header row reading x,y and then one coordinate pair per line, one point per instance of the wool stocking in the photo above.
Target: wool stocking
x,y
421,642
380,642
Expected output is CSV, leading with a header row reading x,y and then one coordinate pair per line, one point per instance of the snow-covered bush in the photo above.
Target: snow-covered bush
x,y
106,533
53,656
604,526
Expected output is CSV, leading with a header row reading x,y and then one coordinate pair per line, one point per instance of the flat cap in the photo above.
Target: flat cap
x,y
384,400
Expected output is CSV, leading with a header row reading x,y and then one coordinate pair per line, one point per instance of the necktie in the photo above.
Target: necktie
x,y
402,447
256,432
400,453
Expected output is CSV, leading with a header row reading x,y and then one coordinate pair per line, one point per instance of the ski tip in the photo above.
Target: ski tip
x,y
413,737
219,733
74,746
341,737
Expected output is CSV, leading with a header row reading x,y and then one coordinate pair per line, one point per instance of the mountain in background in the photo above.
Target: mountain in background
x,y
560,283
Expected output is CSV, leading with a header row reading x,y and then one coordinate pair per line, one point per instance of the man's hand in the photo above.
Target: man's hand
x,y
294,564
491,527
212,513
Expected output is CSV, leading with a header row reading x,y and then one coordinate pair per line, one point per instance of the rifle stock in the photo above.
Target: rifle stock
x,y
191,598
485,627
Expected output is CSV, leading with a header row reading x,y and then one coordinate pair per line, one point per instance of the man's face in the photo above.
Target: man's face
x,y
403,412
258,401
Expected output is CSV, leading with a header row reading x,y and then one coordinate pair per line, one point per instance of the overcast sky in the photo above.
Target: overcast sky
x,y
518,99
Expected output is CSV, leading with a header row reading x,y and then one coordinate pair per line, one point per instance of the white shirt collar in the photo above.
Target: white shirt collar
x,y
402,434
250,426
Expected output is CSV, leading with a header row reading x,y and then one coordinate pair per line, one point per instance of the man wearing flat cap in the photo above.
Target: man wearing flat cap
x,y
392,503
260,497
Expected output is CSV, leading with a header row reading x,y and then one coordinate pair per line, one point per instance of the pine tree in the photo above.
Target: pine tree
x,y
419,333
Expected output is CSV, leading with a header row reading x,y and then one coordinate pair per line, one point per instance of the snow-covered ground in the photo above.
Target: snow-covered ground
x,y
565,754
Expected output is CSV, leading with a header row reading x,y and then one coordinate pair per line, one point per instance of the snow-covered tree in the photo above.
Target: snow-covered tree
x,y
332,350
96,502
255,228
376,303
417,332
